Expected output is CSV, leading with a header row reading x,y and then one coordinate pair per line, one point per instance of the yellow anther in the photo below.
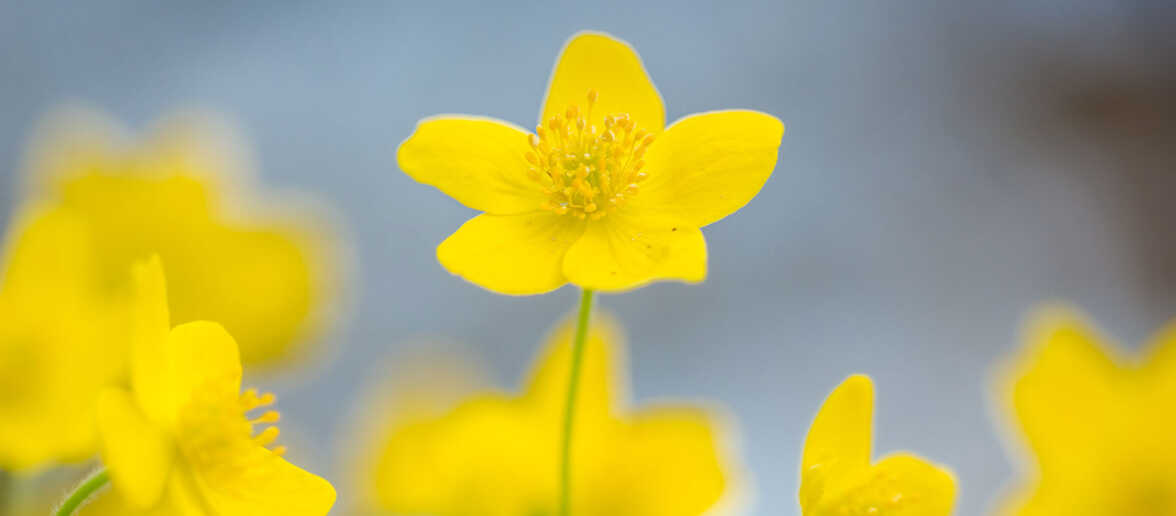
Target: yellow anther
x,y
270,416
250,400
583,167
267,436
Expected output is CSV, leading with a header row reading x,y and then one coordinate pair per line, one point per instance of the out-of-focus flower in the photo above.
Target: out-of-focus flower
x,y
181,441
266,277
838,478
58,344
1098,426
498,455
602,195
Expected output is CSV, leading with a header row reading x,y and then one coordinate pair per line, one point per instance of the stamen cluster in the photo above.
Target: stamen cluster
x,y
216,427
587,170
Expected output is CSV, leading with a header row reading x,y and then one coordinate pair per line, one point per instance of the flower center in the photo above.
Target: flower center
x,y
217,434
587,170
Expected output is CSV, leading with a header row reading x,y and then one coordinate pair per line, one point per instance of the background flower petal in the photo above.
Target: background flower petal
x,y
603,382
137,453
670,461
707,166
478,161
1063,392
839,441
597,61
511,254
902,485
202,356
270,485
150,325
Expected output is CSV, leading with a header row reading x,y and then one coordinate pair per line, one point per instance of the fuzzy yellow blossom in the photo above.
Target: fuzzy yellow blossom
x,y
601,194
1097,424
59,345
837,477
185,440
497,454
178,192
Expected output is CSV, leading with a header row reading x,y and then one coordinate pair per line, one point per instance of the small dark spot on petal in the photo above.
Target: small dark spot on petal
x,y
673,229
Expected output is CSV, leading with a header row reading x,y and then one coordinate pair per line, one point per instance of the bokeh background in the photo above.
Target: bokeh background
x,y
947,166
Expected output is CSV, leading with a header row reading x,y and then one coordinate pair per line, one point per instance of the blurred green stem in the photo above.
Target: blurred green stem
x,y
565,461
88,487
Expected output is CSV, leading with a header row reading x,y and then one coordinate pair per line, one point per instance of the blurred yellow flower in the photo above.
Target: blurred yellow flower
x,y
58,344
498,455
181,442
837,477
602,195
266,277
1098,426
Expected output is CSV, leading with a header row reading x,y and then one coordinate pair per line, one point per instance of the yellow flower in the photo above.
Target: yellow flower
x,y
838,479
58,344
602,195
181,441
233,259
1098,425
497,454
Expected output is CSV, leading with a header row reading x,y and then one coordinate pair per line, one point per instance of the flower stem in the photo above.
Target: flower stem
x,y
88,487
565,464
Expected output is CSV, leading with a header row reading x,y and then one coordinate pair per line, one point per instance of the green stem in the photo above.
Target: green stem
x,y
88,487
565,464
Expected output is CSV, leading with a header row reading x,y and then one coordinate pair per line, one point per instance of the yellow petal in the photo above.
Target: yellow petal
x,y
1063,390
173,193
602,384
511,254
275,276
898,485
487,456
409,392
839,441
668,461
478,161
48,258
269,485
149,329
626,250
600,62
179,499
1160,363
137,454
59,345
201,355
707,166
